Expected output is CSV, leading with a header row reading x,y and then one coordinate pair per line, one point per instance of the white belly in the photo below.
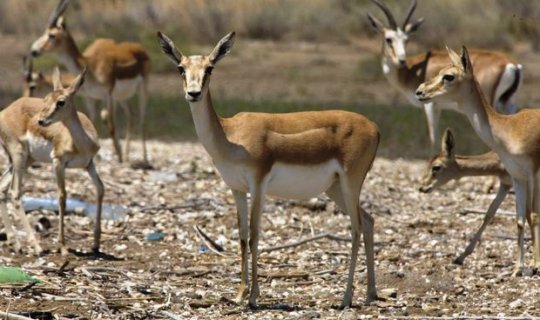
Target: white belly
x,y
301,182
39,148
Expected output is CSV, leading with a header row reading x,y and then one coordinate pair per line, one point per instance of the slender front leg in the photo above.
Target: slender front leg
x,y
143,96
522,207
5,182
111,110
242,215
100,191
19,165
433,115
127,112
90,108
535,219
59,170
493,207
257,204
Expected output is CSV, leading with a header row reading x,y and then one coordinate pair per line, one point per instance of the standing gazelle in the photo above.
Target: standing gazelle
x,y
48,130
293,155
115,71
515,138
447,166
499,77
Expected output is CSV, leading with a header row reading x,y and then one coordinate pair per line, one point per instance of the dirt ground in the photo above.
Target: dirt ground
x,y
416,238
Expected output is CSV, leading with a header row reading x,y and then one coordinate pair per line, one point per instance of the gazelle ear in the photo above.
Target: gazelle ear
x,y
77,83
57,81
61,23
222,48
375,23
448,144
465,60
454,57
413,26
168,48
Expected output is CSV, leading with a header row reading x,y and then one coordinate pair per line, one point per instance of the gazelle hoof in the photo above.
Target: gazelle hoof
x,y
458,261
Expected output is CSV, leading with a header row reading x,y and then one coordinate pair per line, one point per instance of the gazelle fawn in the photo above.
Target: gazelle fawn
x,y
499,76
515,138
447,166
48,130
116,71
292,155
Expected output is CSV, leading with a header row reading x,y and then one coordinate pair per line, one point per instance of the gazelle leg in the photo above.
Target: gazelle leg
x,y
493,207
143,97
90,107
433,115
59,170
5,182
19,165
522,207
100,191
129,129
242,215
257,204
535,219
111,124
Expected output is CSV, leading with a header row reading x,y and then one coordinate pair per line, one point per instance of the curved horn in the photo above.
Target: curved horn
x,y
388,14
60,9
409,13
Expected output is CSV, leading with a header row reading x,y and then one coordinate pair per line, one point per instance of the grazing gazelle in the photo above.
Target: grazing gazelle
x,y
48,130
447,166
115,71
290,155
515,138
38,84
499,76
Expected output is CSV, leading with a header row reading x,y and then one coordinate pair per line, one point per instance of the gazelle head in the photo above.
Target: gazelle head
x,y
195,70
59,104
452,83
30,78
443,167
54,37
395,38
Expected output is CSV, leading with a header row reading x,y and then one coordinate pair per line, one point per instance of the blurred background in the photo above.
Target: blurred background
x,y
289,55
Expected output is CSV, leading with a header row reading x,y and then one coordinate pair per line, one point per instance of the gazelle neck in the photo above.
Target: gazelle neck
x,y
208,127
70,56
82,141
481,116
481,165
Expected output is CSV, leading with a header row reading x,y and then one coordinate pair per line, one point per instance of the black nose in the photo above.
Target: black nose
x,y
402,62
419,92
194,94
34,53
41,122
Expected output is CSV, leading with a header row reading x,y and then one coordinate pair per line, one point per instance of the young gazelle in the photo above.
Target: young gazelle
x,y
499,76
293,155
447,166
515,138
115,71
48,130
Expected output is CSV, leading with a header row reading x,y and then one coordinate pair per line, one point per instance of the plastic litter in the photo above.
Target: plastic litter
x,y
155,236
15,275
108,212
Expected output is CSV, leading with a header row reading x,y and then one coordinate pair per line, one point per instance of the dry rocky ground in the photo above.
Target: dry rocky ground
x,y
416,238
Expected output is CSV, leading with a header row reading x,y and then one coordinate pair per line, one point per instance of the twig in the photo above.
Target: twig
x,y
478,211
62,267
291,275
11,316
211,244
301,242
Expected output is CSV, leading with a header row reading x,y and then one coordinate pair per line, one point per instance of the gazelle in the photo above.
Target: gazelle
x,y
115,71
38,84
48,130
447,166
293,155
515,138
499,76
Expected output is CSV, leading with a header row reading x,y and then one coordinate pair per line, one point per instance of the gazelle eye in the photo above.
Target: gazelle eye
x,y
60,103
52,36
389,40
181,70
449,77
435,169
208,70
